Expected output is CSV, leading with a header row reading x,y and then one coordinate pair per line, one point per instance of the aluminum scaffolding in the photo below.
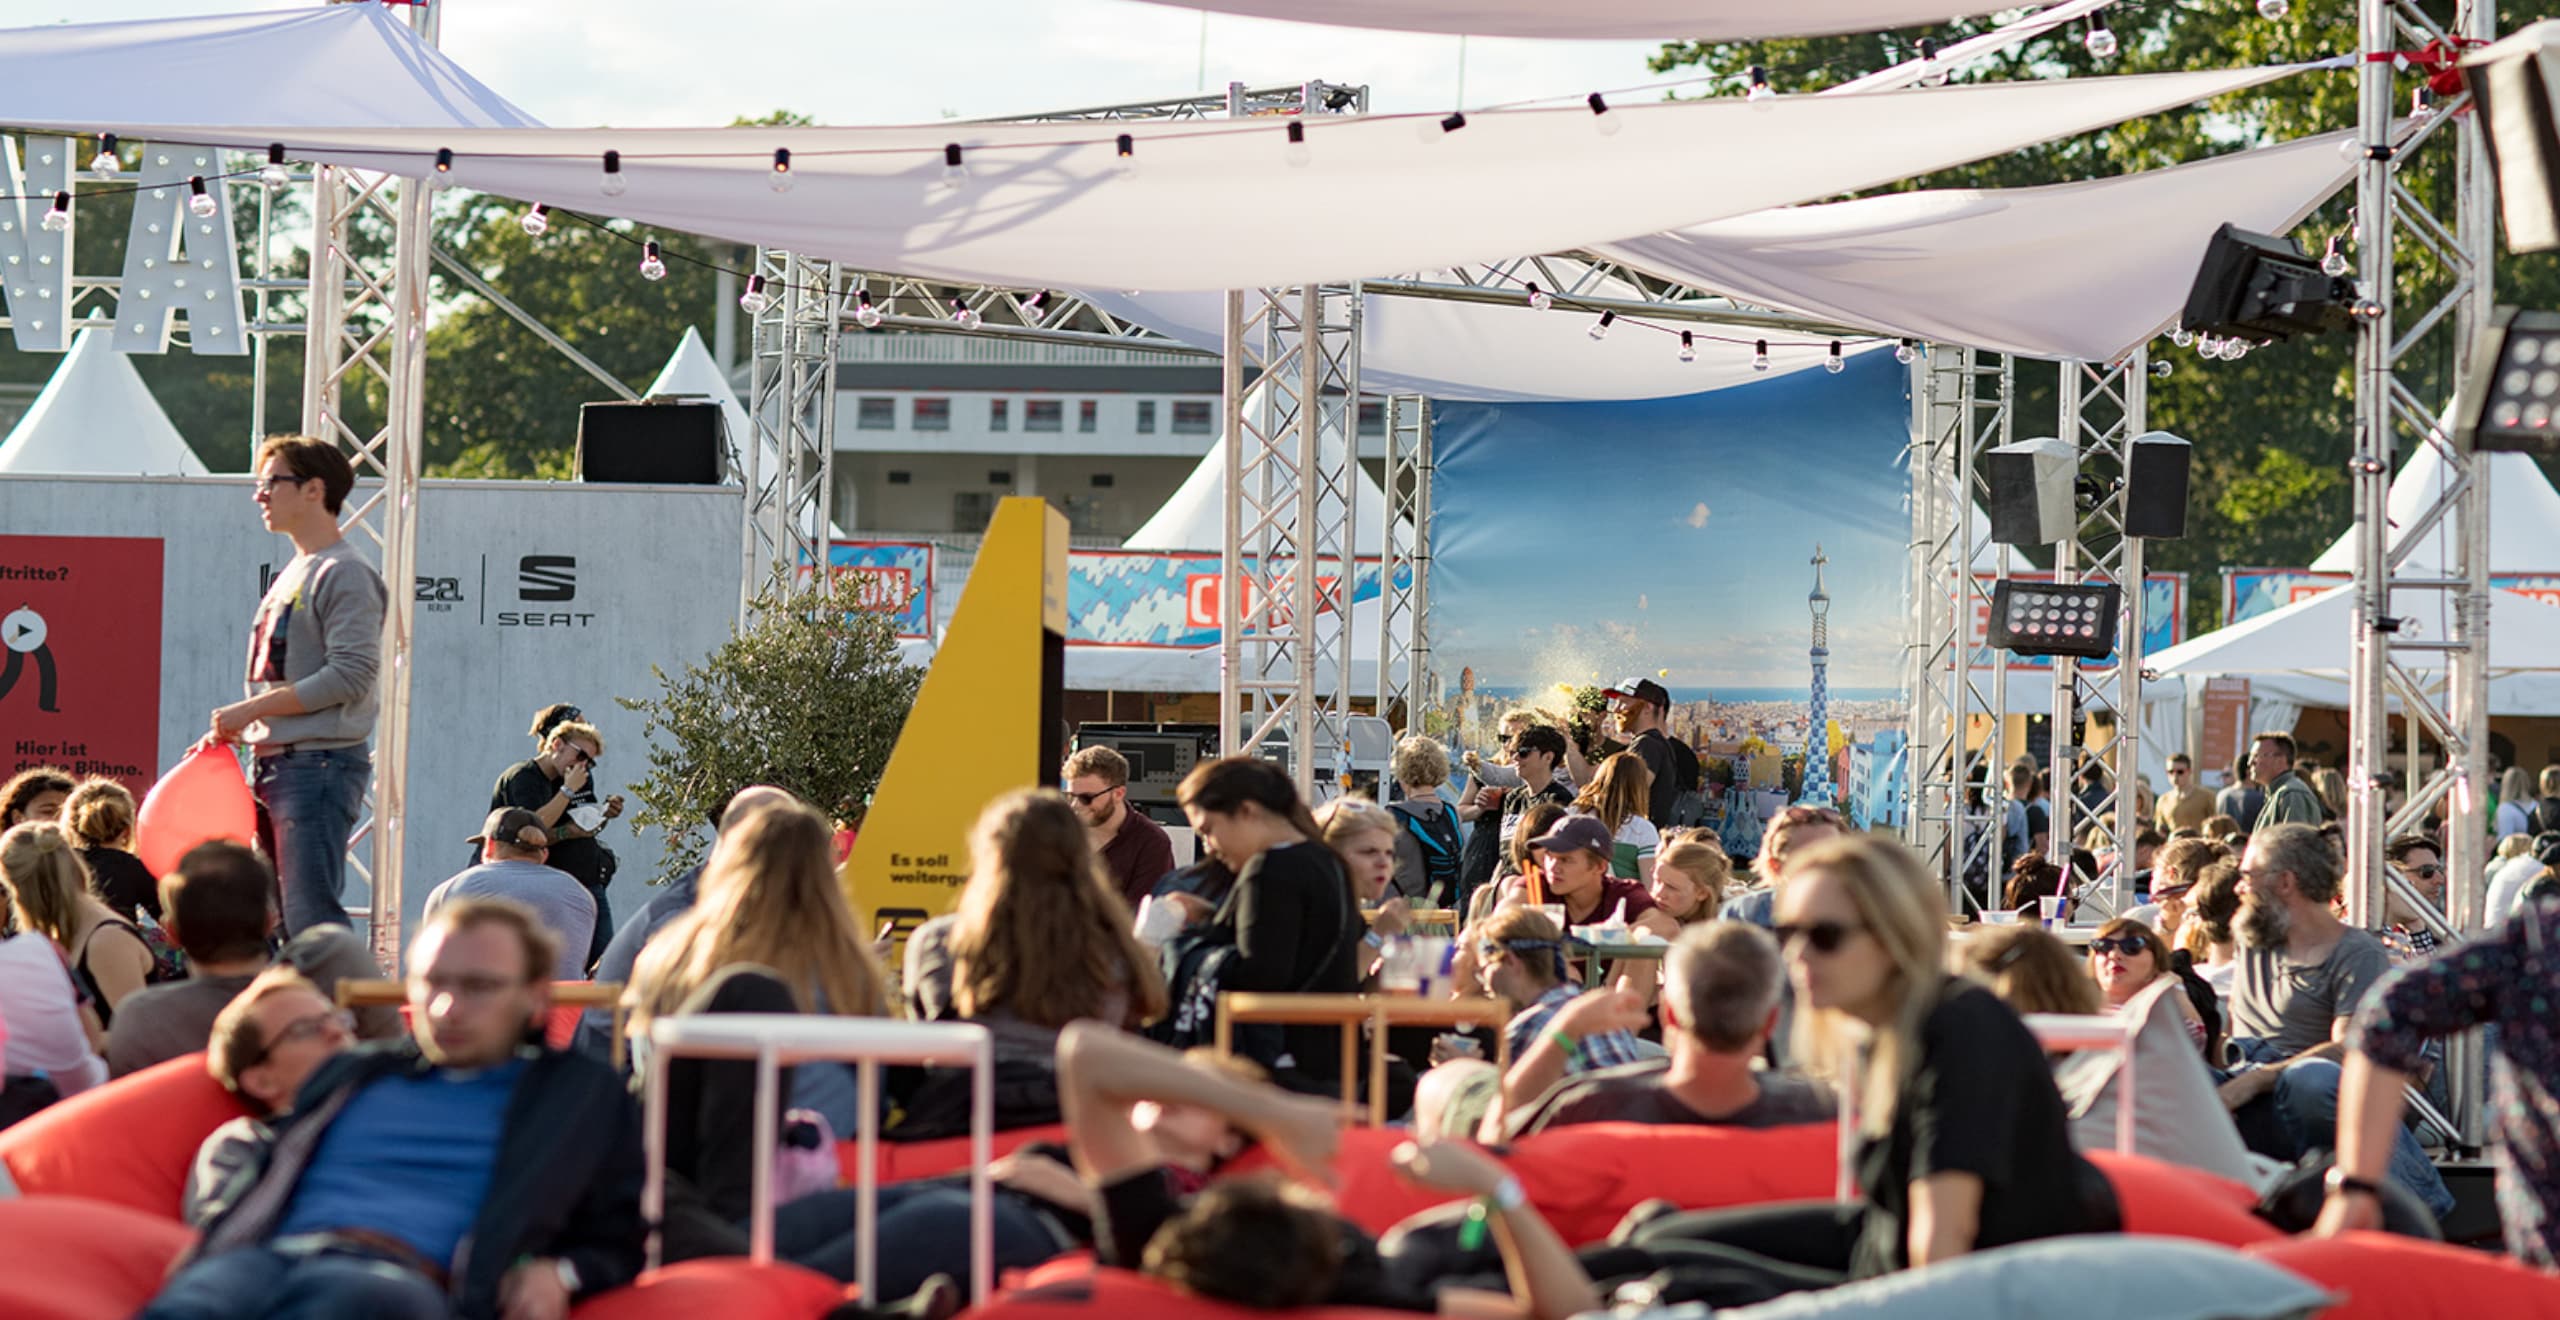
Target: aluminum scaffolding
x,y
788,464
1404,567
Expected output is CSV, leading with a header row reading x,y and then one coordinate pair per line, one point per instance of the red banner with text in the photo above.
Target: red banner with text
x,y
80,656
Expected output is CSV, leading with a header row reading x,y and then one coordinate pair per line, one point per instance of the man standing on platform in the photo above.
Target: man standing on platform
x,y
1640,705
315,647
1135,851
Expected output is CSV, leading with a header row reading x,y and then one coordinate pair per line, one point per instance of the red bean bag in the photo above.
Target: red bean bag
x,y
2383,1276
725,1287
66,1258
131,1141
2172,1200
1070,1288
1365,1188
906,1161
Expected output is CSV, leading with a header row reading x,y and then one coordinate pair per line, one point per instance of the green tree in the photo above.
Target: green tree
x,y
809,698
2277,422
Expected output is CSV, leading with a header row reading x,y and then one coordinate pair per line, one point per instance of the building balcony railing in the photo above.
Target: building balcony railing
x,y
972,351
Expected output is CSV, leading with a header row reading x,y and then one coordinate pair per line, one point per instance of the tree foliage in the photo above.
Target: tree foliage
x,y
809,697
2272,432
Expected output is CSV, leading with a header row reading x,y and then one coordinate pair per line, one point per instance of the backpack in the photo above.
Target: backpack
x,y
1441,851
1195,969
2544,818
1690,806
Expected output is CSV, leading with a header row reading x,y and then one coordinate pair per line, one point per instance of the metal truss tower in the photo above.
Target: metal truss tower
x,y
367,323
787,466
1963,402
1404,567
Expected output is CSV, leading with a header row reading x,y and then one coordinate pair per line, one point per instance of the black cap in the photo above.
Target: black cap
x,y
1639,689
514,825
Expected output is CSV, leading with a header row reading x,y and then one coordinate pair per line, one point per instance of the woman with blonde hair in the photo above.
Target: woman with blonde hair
x,y
1618,795
51,1047
1040,936
99,814
49,892
1966,1144
1363,835
1689,878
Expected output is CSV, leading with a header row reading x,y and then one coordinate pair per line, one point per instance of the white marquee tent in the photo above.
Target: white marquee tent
x,y
97,417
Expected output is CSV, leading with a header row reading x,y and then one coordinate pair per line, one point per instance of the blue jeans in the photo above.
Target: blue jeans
x,y
924,1231
2305,1101
308,803
257,1283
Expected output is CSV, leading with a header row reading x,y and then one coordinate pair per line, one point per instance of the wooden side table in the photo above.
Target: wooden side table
x,y
1350,1012
573,994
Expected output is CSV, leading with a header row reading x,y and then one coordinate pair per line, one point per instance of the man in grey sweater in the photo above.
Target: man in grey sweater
x,y
315,646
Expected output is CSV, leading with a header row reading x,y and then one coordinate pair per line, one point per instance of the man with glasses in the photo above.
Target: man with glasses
x,y
547,785
2184,806
265,1044
315,647
2415,857
469,1171
1135,851
219,905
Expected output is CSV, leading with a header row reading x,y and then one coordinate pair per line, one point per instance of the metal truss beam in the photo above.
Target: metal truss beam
x,y
2103,408
1404,567
789,462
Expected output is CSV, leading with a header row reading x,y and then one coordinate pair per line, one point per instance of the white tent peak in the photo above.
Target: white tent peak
x,y
690,370
1194,517
96,416
2523,510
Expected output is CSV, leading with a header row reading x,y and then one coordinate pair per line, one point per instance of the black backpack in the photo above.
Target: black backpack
x,y
2545,816
1441,852
1690,806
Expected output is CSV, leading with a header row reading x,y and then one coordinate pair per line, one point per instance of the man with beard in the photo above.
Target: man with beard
x,y
2301,975
1135,851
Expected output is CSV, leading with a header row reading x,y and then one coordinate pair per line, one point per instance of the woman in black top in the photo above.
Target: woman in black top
x,y
1966,1144
99,814
1291,916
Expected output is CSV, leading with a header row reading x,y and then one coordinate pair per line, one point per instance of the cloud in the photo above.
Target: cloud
x,y
1644,602
1698,516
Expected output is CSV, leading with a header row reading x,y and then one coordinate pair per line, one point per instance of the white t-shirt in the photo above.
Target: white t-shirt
x,y
2507,883
43,1011
1637,842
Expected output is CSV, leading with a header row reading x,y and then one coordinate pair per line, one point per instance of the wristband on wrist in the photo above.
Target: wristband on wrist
x,y
1564,1041
2341,1183
1506,1196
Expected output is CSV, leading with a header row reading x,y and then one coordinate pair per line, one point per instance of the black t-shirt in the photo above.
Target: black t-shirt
x,y
121,881
1654,749
526,785
1634,1093
1981,1100
1293,921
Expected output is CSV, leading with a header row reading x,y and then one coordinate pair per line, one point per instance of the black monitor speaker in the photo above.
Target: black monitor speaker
x,y
2155,490
676,442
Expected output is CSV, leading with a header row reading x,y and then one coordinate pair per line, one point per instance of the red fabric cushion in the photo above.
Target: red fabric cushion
x,y
1062,1288
904,1161
66,1258
721,1286
2172,1200
2382,1276
131,1141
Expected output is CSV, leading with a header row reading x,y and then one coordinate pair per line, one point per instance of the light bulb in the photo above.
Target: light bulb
x,y
753,300
105,163
2272,10
651,268
1834,363
444,167
199,201
1600,328
1762,95
1453,121
536,221
2162,368
1539,299
1760,355
1607,123
274,175
1905,353
2101,40
965,316
1296,153
2422,102
864,314
2235,349
1688,347
2351,151
613,184
2334,263
1124,160
1035,305
955,171
59,218
2182,336
782,169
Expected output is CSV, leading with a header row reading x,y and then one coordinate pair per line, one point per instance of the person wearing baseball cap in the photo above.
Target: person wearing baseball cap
x,y
513,846
1640,705
1575,854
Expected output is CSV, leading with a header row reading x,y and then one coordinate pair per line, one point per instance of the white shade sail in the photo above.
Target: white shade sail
x,y
96,416
340,65
1643,20
2074,270
2314,635
1219,205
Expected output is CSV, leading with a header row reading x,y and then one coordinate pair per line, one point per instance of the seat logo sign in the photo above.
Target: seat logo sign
x,y
546,580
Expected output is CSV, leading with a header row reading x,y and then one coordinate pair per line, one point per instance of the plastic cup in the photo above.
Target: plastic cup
x,y
2050,909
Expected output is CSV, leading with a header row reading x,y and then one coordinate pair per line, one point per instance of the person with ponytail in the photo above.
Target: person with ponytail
x,y
1292,917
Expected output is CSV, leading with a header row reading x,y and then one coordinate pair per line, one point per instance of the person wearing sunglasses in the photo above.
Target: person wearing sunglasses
x,y
2126,956
1964,1141
548,785
2418,861
315,649
1135,851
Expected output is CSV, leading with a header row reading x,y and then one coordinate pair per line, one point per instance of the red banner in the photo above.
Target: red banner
x,y
80,656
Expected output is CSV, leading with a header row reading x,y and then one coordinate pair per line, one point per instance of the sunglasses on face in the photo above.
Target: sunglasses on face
x,y
1819,936
2427,872
1088,799
267,485
2128,945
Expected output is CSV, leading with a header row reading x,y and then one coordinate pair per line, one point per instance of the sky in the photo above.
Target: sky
x,y
657,62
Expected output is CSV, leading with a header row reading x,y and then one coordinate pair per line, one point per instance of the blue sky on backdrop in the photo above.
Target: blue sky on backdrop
x,y
658,62
1617,538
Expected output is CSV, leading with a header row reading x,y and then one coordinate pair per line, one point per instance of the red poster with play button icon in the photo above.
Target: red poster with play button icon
x,y
80,656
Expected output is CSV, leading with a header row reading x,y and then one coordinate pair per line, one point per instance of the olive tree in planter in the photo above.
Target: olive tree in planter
x,y
809,697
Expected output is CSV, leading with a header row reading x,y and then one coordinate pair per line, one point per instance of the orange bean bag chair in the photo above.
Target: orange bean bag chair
x,y
723,1287
906,1161
131,1141
67,1258
2172,1200
2383,1276
1064,1288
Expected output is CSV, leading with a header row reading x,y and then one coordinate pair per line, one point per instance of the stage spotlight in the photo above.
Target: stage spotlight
x,y
2262,289
2047,618
2510,399
2515,86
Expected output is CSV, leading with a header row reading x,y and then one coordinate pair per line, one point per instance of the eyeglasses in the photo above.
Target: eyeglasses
x,y
2427,872
2128,945
308,1028
267,485
1820,936
1088,799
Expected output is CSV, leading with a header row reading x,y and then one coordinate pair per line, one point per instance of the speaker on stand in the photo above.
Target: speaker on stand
x,y
664,440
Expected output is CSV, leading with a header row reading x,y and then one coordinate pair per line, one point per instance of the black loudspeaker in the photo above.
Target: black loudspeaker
x,y
2155,494
2030,485
655,442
